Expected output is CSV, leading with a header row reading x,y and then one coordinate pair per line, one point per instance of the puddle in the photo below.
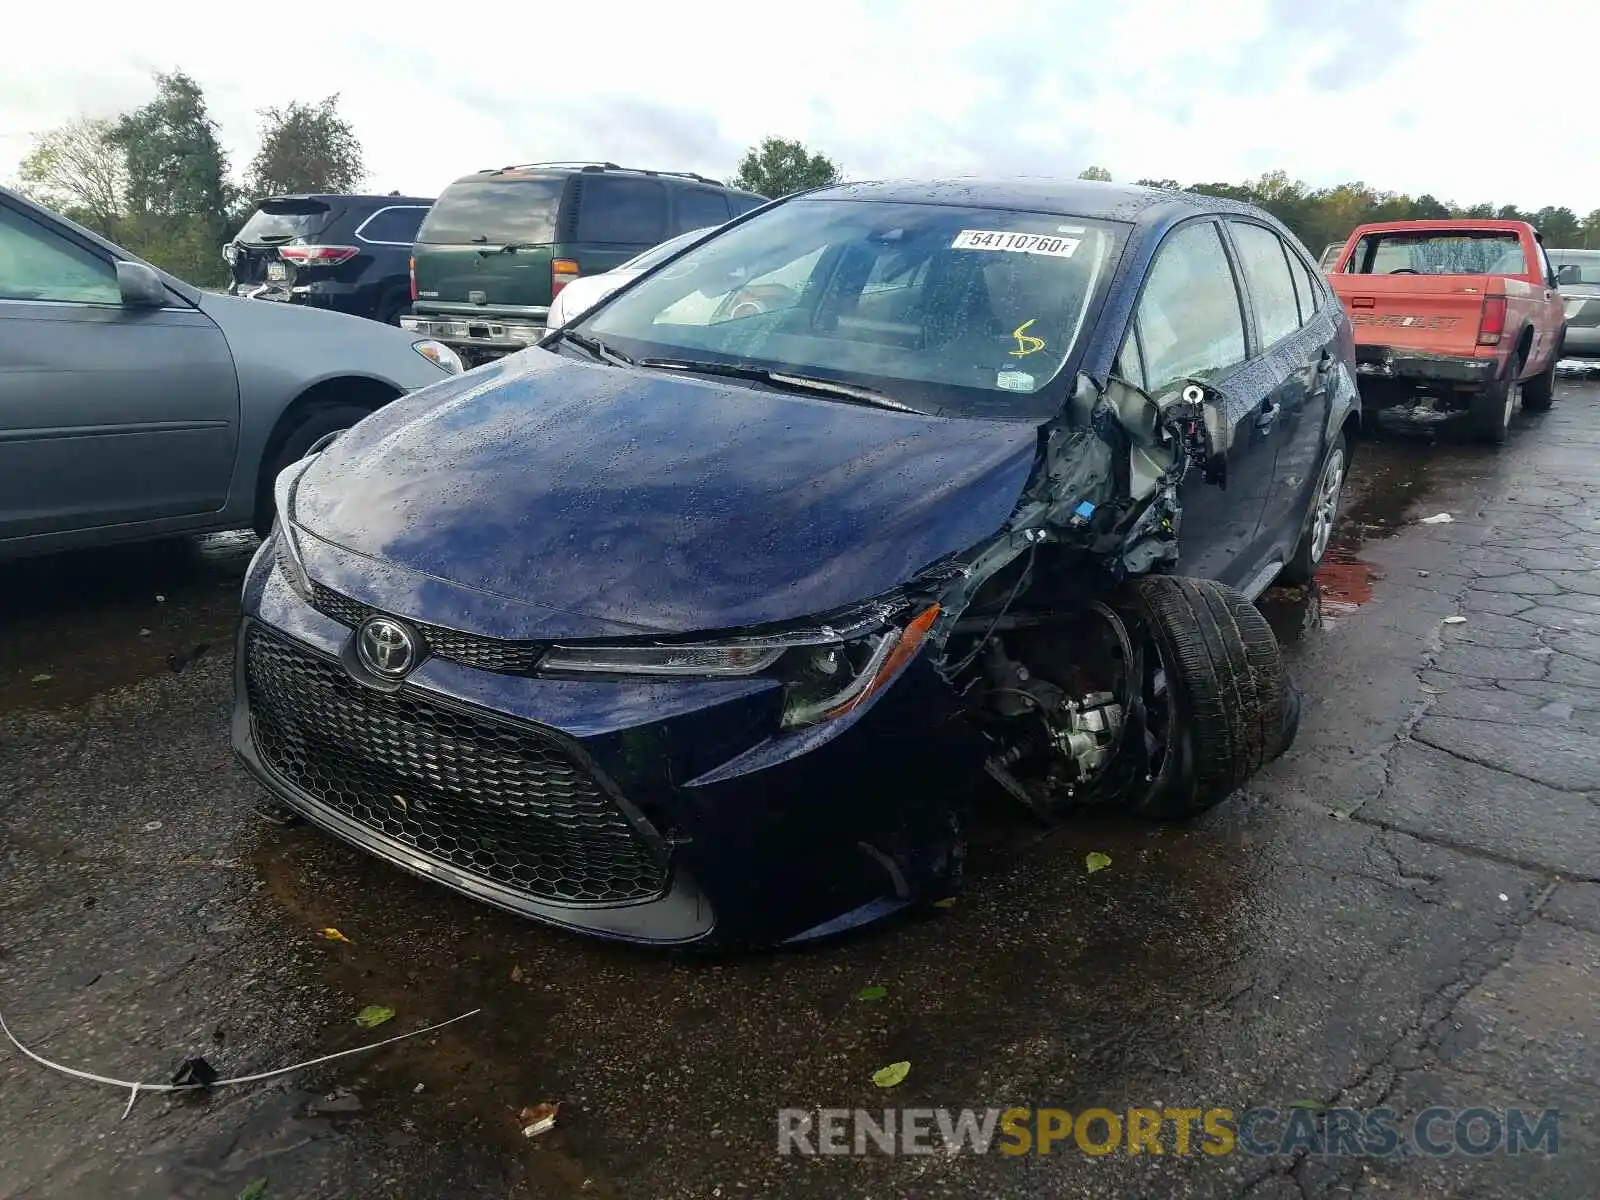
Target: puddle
x,y
74,625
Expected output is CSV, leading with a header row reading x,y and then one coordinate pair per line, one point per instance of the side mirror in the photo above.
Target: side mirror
x,y
140,286
1571,273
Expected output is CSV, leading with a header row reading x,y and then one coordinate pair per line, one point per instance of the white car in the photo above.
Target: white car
x,y
586,291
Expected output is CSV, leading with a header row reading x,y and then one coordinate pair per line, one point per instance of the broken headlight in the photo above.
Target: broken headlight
x,y
826,672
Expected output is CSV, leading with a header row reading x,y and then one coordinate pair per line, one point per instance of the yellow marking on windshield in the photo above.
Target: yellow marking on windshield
x,y
1026,343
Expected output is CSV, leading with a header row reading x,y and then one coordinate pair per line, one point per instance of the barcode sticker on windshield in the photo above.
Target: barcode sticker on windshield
x,y
1017,243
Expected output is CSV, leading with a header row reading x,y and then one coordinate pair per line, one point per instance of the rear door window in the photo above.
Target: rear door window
x,y
1266,273
277,221
495,210
1307,293
622,209
1189,316
743,204
395,226
700,207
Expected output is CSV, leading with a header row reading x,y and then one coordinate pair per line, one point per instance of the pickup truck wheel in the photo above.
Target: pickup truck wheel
x,y
1215,696
315,423
1320,520
1491,409
1540,392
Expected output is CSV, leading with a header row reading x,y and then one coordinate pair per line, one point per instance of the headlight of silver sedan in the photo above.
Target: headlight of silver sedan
x,y
440,355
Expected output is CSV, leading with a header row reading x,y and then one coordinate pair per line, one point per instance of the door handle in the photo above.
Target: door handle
x,y
1268,414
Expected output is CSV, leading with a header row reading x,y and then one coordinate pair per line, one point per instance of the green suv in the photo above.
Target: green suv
x,y
498,245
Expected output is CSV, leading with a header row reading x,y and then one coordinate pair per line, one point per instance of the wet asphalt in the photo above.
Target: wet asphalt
x,y
1402,911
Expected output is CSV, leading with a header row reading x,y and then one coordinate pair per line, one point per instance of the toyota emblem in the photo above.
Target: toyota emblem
x,y
386,648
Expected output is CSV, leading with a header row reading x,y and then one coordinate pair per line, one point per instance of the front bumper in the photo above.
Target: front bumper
x,y
726,833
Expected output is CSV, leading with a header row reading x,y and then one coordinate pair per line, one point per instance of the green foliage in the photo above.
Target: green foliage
x,y
305,148
779,167
1099,174
79,172
176,165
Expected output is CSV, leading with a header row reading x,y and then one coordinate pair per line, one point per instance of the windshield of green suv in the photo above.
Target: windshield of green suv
x,y
495,210
959,311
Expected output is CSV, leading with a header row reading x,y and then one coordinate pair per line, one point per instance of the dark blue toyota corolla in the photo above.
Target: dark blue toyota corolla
x,y
710,619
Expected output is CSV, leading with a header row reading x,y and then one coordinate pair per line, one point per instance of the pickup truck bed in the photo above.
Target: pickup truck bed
x,y
1451,318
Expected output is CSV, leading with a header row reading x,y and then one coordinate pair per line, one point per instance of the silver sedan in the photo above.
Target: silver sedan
x,y
1578,277
135,406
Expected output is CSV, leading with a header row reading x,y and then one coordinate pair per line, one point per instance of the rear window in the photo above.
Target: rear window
x,y
277,221
1487,253
699,207
495,210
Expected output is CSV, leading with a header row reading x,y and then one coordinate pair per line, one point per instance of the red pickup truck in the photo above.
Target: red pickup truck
x,y
1452,317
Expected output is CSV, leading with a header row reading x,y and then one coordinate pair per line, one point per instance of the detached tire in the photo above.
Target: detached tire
x,y
1225,693
315,423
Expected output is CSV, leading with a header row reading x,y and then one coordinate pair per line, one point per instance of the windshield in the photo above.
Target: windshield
x,y
659,254
949,310
1576,266
495,210
278,221
1487,253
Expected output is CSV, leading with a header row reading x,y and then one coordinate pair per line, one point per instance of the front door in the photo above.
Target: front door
x,y
1191,325
109,415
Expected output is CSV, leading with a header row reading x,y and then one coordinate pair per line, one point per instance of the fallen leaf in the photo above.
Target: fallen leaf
x,y
539,1118
374,1015
892,1075
1097,861
43,678
1454,621
947,902
333,935
1306,1104
516,975
1432,691
872,992
255,1189
1438,519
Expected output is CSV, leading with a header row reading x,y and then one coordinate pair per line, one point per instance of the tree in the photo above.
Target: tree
x,y
176,165
1559,226
77,170
1428,208
1171,185
1099,174
305,148
779,166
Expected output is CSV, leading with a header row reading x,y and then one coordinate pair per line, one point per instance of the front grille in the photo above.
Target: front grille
x,y
488,654
503,803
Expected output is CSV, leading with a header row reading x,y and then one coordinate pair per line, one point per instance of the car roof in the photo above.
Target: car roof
x,y
1087,198
560,170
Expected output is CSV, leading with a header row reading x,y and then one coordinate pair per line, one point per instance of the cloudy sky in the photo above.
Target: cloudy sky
x,y
1462,98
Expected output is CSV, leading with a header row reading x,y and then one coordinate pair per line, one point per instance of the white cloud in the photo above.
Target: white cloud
x,y
1461,98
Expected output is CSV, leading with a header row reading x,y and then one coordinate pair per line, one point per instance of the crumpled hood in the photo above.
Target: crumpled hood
x,y
652,501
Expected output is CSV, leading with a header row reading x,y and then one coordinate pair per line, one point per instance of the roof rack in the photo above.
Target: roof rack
x,y
600,166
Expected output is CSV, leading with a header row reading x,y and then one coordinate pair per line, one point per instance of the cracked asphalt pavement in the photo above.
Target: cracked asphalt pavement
x,y
1402,911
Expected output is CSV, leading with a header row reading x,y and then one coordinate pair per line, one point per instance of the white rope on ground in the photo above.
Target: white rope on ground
x,y
135,1088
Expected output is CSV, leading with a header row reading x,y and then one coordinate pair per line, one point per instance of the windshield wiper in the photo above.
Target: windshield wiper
x,y
509,248
783,379
593,345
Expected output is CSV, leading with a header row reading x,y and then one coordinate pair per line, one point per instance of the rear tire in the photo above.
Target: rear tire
x,y
1320,520
315,422
1223,707
1490,410
1539,393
